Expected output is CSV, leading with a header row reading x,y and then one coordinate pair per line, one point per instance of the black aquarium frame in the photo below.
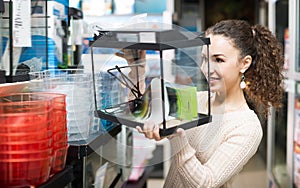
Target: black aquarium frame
x,y
164,40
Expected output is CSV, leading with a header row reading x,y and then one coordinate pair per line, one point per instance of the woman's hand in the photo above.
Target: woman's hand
x,y
179,132
151,131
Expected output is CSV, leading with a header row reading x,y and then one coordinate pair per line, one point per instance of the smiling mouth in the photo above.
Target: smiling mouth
x,y
213,78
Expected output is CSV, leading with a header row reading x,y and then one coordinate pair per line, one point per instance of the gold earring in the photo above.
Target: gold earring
x,y
243,83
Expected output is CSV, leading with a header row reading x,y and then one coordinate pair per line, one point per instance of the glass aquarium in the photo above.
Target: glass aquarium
x,y
162,87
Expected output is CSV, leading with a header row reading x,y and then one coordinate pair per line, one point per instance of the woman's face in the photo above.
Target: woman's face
x,y
224,64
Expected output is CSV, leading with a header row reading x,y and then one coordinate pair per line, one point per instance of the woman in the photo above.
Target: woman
x,y
246,79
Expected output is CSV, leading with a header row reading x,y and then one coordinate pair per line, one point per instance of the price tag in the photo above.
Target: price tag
x,y
21,23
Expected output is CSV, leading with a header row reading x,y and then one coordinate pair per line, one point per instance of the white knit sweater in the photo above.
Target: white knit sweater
x,y
212,154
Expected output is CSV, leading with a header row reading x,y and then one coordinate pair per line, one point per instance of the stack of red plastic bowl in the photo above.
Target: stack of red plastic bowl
x,y
59,129
26,137
60,132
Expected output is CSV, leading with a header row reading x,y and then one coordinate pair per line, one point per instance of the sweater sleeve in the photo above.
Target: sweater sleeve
x,y
228,159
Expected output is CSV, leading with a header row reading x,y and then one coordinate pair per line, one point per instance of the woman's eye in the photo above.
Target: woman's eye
x,y
219,60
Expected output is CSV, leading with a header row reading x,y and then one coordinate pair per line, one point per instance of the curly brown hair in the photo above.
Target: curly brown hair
x,y
264,77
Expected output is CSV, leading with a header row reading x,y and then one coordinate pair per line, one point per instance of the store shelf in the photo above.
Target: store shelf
x,y
171,126
80,149
16,53
17,78
60,179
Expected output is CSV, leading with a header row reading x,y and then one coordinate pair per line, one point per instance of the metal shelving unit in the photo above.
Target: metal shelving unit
x,y
82,148
60,179
85,158
283,154
16,73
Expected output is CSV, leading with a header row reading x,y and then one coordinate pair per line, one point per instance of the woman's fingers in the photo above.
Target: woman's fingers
x,y
139,129
150,130
156,134
180,132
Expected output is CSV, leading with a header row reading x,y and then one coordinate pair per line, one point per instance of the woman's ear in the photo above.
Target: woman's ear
x,y
245,64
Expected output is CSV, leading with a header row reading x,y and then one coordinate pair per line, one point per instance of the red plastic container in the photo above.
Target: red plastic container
x,y
25,154
29,124
59,159
60,144
59,115
26,145
24,123
25,108
24,172
58,99
60,127
60,136
24,103
26,136
59,118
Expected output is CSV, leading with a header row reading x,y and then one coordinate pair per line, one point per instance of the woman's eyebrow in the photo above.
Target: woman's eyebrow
x,y
214,55
217,55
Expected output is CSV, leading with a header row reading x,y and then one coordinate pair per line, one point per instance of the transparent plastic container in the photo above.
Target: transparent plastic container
x,y
77,86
